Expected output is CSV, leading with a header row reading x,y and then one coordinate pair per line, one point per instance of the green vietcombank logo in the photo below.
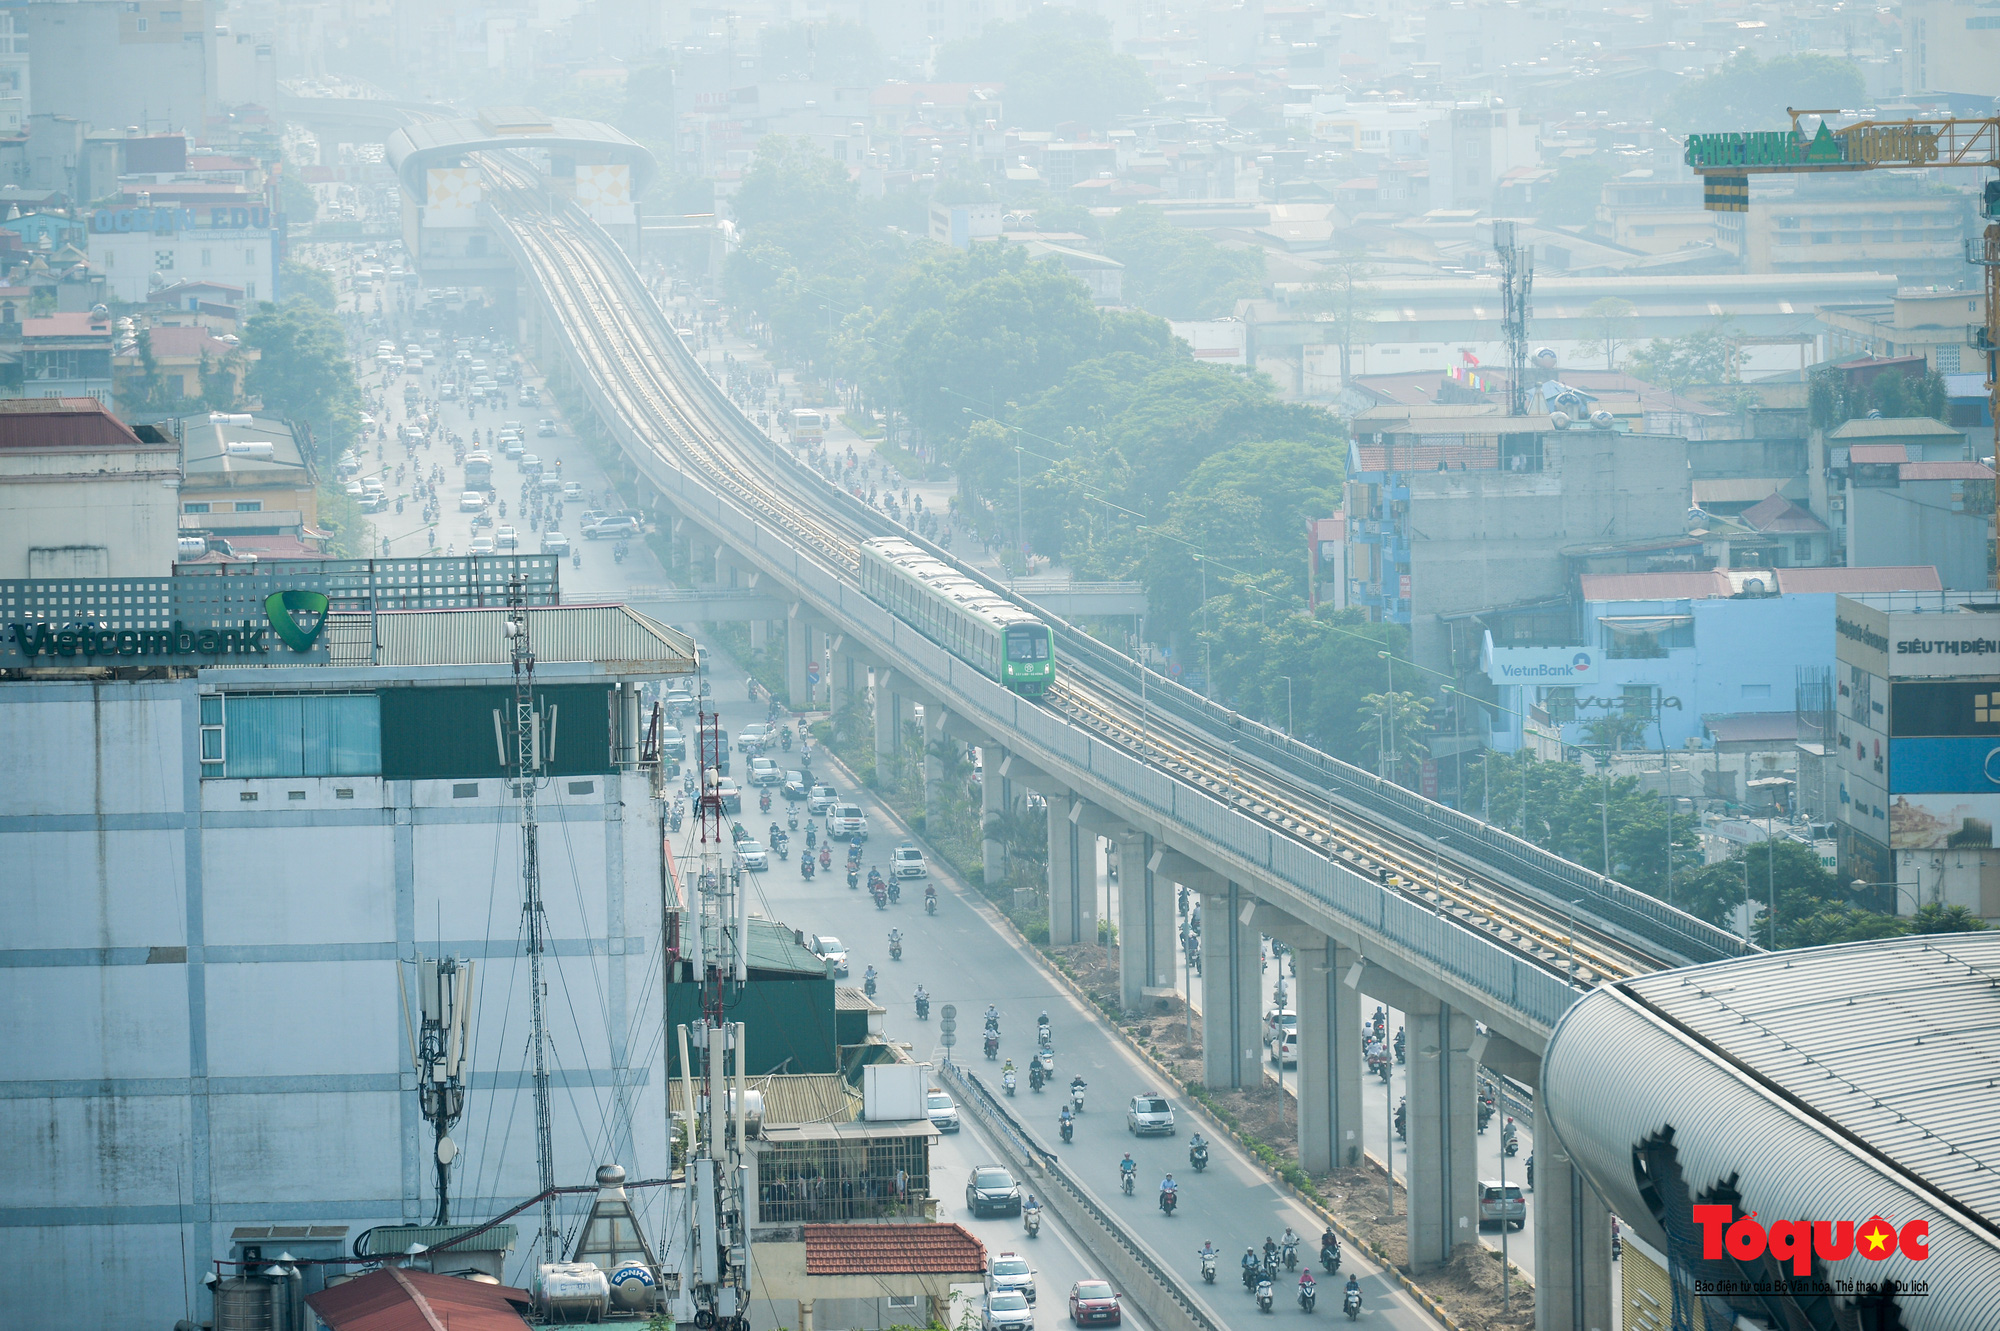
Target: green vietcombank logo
x,y
281,609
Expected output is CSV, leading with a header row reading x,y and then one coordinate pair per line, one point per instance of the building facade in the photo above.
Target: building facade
x,y
83,494
1917,676
140,250
214,927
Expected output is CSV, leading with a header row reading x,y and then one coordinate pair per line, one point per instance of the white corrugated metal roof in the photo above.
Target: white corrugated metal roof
x,y
1896,1041
614,636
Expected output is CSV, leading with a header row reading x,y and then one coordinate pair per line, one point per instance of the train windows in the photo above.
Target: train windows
x,y
1028,642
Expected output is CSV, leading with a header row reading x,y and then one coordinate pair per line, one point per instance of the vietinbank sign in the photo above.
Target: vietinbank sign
x,y
1541,665
294,618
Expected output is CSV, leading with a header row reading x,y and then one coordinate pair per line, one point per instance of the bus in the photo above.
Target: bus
x,y
808,427
478,471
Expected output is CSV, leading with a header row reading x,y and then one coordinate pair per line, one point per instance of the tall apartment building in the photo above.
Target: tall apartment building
x,y
1805,224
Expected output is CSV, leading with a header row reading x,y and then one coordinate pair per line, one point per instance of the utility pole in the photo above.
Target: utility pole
x,y
1517,279
535,921
444,994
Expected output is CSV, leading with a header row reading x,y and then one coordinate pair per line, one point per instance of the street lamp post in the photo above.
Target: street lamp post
x,y
1288,705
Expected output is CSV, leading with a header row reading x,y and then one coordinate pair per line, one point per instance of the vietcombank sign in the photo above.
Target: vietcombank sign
x,y
293,618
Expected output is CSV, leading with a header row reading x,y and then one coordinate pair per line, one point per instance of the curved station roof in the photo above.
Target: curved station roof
x,y
414,148
1823,1085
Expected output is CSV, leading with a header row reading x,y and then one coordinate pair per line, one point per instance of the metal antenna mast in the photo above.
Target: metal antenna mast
x,y
527,763
1517,278
445,995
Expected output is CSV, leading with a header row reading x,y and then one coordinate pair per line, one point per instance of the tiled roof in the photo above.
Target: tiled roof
x,y
79,324
168,340
1655,586
1878,453
1855,581
856,1250
392,1299
1894,427
1779,514
1945,471
62,422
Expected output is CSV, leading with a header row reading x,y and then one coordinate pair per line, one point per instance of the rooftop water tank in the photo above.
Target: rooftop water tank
x,y
569,1292
245,1303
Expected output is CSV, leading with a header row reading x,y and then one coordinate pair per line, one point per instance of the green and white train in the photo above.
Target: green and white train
x,y
1006,643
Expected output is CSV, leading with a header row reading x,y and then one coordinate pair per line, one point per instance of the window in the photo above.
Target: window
x,y
249,506
207,258
1643,637
212,752
1028,644
1637,700
194,508
1948,360
250,257
1560,702
296,734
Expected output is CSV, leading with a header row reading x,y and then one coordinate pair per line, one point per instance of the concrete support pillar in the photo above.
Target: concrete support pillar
x,y
935,722
1067,920
1139,967
1329,1057
799,642
1231,964
888,722
805,1315
760,634
1572,1244
1443,1165
995,798
849,679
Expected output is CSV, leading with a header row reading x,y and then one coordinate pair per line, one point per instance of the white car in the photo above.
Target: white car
x,y
572,490
1007,1311
831,950
1277,1021
481,545
506,538
942,1113
1148,1114
472,501
753,856
1010,1272
1285,1052
764,771
908,862
846,820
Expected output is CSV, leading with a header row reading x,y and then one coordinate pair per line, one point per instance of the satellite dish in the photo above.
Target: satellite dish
x,y
447,1150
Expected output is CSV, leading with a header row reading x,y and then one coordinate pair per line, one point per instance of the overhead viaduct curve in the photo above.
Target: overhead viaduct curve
x,y
1483,941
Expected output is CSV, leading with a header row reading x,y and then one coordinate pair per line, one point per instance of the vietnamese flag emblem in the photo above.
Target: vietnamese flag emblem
x,y
1876,1239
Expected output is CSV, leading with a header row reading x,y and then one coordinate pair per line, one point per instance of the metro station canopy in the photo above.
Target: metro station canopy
x,y
417,148
1825,1086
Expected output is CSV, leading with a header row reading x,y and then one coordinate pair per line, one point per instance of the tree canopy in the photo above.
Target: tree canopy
x,y
1748,93
304,372
1058,68
1177,273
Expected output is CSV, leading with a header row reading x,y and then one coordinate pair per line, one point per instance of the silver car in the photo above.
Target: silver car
x,y
1501,1206
1010,1272
1008,1312
1149,1114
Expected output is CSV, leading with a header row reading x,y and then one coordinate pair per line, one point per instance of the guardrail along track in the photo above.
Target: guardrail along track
x,y
1476,879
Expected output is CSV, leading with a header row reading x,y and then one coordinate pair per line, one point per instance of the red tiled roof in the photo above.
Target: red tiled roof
x,y
63,422
1882,578
1945,471
1878,453
1655,586
169,340
1780,514
392,1299
854,1250
78,324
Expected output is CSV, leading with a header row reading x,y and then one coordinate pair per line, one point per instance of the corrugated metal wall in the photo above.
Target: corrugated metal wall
x,y
1648,1304
447,733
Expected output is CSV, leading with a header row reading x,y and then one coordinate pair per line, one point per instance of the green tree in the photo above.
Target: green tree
x,y
1937,918
1058,68
1341,302
300,204
1571,199
1805,890
303,371
1566,810
1607,325
299,278
1393,731
1748,93
1710,355
1177,273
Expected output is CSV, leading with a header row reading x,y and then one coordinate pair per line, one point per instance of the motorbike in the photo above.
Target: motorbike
x,y
930,903
1068,1131
1042,1035
785,739
764,802
992,1045
868,986
826,857
923,1009
881,897
1512,1147
1380,1067
1291,1256
1198,1157
1402,1120
1531,1171
806,868
1399,1046
895,949
895,892
1329,1258
853,879
792,820
1036,1078
1007,1082
1251,1275
992,1024
1031,1220
1352,1304
1208,1268
1485,1114
1308,1297
1125,1182
1264,1295
1169,1199
1047,1061
1076,1098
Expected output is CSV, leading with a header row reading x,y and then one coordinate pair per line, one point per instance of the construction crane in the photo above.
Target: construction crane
x,y
1725,163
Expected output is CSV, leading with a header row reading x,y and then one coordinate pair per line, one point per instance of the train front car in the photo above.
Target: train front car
x,y
1029,666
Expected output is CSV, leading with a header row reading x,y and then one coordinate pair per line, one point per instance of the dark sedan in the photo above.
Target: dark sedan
x,y
992,1188
1092,1301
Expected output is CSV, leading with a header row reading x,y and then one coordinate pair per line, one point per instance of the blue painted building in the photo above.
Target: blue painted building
x,y
1676,647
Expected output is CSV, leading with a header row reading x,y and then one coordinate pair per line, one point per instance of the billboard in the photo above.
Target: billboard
x,y
1943,822
451,196
1541,665
1945,707
1941,765
605,194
